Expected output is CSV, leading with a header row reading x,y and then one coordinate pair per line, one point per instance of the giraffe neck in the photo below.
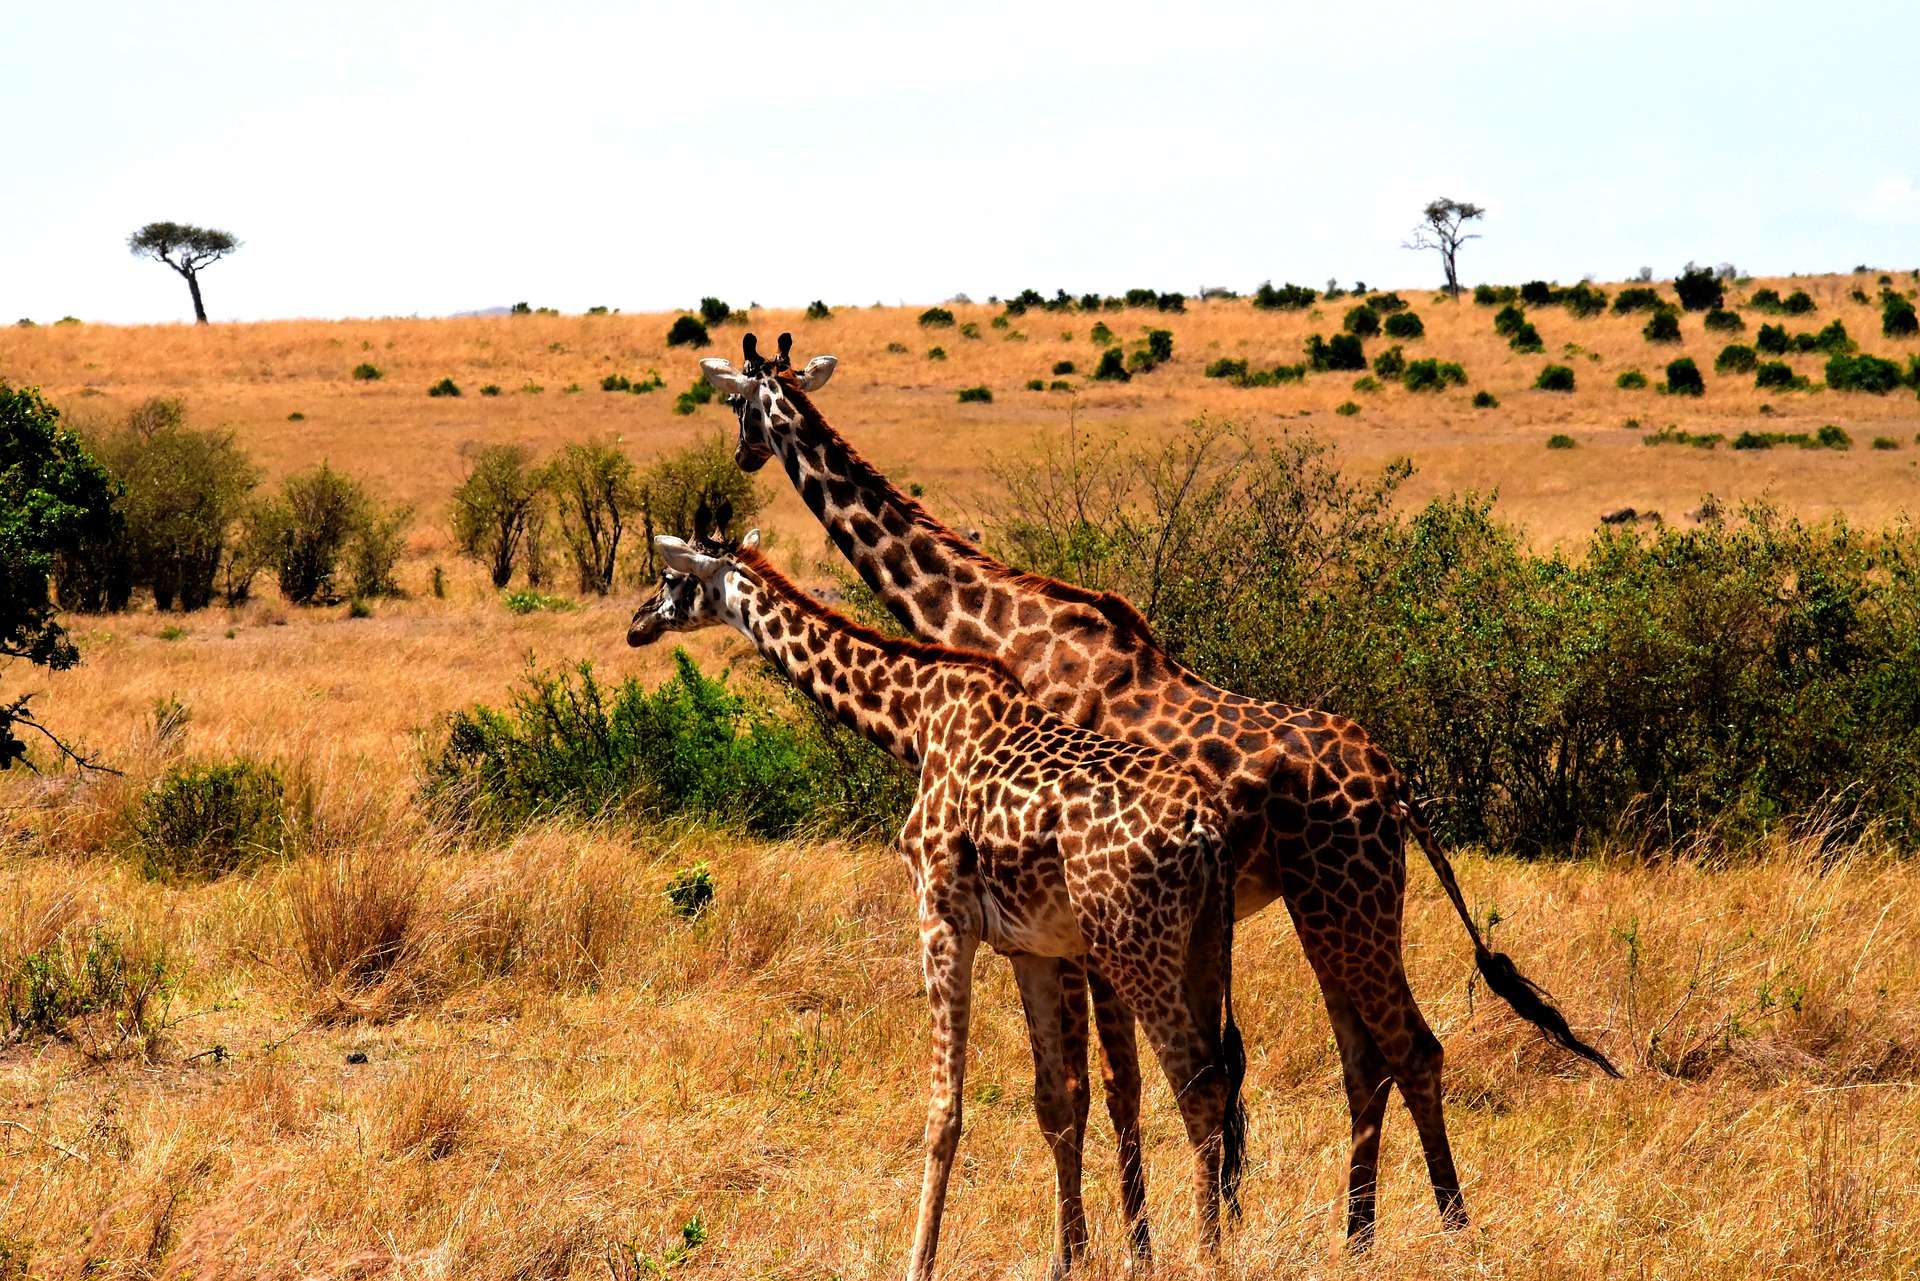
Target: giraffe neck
x,y
888,691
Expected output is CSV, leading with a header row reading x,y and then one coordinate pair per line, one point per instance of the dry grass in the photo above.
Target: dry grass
x,y
393,1055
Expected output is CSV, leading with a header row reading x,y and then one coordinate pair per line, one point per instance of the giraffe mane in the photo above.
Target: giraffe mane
x,y
755,562
1116,609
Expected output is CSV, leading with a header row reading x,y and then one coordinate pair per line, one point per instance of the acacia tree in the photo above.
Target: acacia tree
x,y
1443,228
594,488
185,248
494,509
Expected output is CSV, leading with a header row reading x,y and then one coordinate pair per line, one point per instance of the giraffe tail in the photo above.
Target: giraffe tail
x,y
1233,1050
1528,999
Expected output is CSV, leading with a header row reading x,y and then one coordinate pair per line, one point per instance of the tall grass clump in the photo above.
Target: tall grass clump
x,y
693,748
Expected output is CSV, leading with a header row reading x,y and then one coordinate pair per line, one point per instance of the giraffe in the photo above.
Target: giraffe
x,y
1317,815
1038,837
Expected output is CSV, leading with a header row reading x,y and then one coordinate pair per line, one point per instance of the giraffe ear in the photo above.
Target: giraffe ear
x,y
752,539
682,559
723,376
818,370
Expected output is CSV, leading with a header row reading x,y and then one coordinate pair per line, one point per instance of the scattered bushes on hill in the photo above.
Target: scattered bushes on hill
x,y
1897,317
1526,338
1630,380
1112,367
445,387
1391,363
203,821
818,310
1863,373
1554,378
1228,367
1728,677
688,331
1735,358
1508,319
1683,378
1342,351
714,312
1699,288
973,395
1662,326
1289,297
1720,320
1636,298
1773,340
1484,399
365,373
1433,375
1583,300
1777,374
936,318
692,748
1797,303
1404,324
1767,300
1538,293
1489,296
1833,340
1362,321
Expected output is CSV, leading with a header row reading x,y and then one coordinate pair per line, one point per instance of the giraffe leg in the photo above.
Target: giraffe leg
x,y
1368,1085
1039,980
946,958
1120,1059
1074,1042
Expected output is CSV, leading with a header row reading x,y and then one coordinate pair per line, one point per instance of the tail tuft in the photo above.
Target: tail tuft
x,y
1531,1004
1233,1149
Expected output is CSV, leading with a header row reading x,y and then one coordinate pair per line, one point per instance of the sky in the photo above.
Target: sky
x,y
403,158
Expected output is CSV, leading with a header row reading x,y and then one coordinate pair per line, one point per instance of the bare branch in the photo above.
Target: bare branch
x,y
17,715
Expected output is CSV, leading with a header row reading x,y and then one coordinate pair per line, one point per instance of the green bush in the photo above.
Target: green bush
x,y
692,748
936,353
616,382
1538,293
1226,367
1720,320
1637,298
1833,437
1630,380
1160,345
972,395
1484,399
1583,300
1773,340
1767,300
817,310
1834,340
1560,441
1346,409
1404,324
445,387
1391,363
1368,384
1036,384
301,533
592,488
531,601
1059,384
1061,367
1100,335
1797,303
1863,373
1776,373
687,331
936,318
1662,326
1289,297
75,980
1432,375
1885,442
1362,321
1554,378
1526,338
1897,317
490,389
1683,378
1735,358
1143,298
1488,296
1342,351
714,312
690,891
1508,320
1112,367
203,821
1386,303
1699,289
365,373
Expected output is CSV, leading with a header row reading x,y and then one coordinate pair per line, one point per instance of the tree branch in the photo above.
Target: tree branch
x,y
17,714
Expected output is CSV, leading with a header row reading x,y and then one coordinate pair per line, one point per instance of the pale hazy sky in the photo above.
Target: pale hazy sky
x,y
398,158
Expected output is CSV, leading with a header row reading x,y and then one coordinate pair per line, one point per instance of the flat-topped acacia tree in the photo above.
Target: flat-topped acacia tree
x,y
185,248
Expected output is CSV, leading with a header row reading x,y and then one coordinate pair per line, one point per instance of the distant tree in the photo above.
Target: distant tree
x,y
494,506
53,499
1443,229
185,248
595,488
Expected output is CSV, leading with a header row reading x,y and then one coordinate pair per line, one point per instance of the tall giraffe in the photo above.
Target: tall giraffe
x,y
1317,814
1043,839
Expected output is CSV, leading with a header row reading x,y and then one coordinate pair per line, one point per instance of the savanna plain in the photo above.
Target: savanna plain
x,y
557,1070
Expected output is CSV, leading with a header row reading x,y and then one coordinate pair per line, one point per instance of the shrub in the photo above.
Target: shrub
x,y
970,330
616,382
936,318
1833,437
1699,289
1059,384
1863,373
301,532
1797,303
1683,378
203,821
1142,298
593,487
1160,345
972,395
1554,378
1112,367
1484,399
714,312
692,748
1526,338
1583,300
1171,302
1100,335
93,987
690,891
1897,317
1662,326
1560,441
445,387
936,353
1833,340
687,331
1387,302
1775,373
1368,383
365,373
1391,363
1508,319
535,602
1537,293
1721,320
1630,380
373,553
699,392
1289,297
1036,384
1485,296
1140,361
818,310
1342,351
1066,367
1225,367
1362,321
1765,300
1885,442
1432,375
1636,298
1772,339
490,389
1735,358
1346,409
1404,324
897,348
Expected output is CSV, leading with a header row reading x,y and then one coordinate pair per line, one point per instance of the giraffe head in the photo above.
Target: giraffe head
x,y
758,399
691,594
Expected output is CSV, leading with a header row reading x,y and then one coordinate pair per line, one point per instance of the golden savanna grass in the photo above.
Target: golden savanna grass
x,y
398,1054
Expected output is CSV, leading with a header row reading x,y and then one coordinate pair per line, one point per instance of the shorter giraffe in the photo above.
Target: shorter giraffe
x,y
1047,841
